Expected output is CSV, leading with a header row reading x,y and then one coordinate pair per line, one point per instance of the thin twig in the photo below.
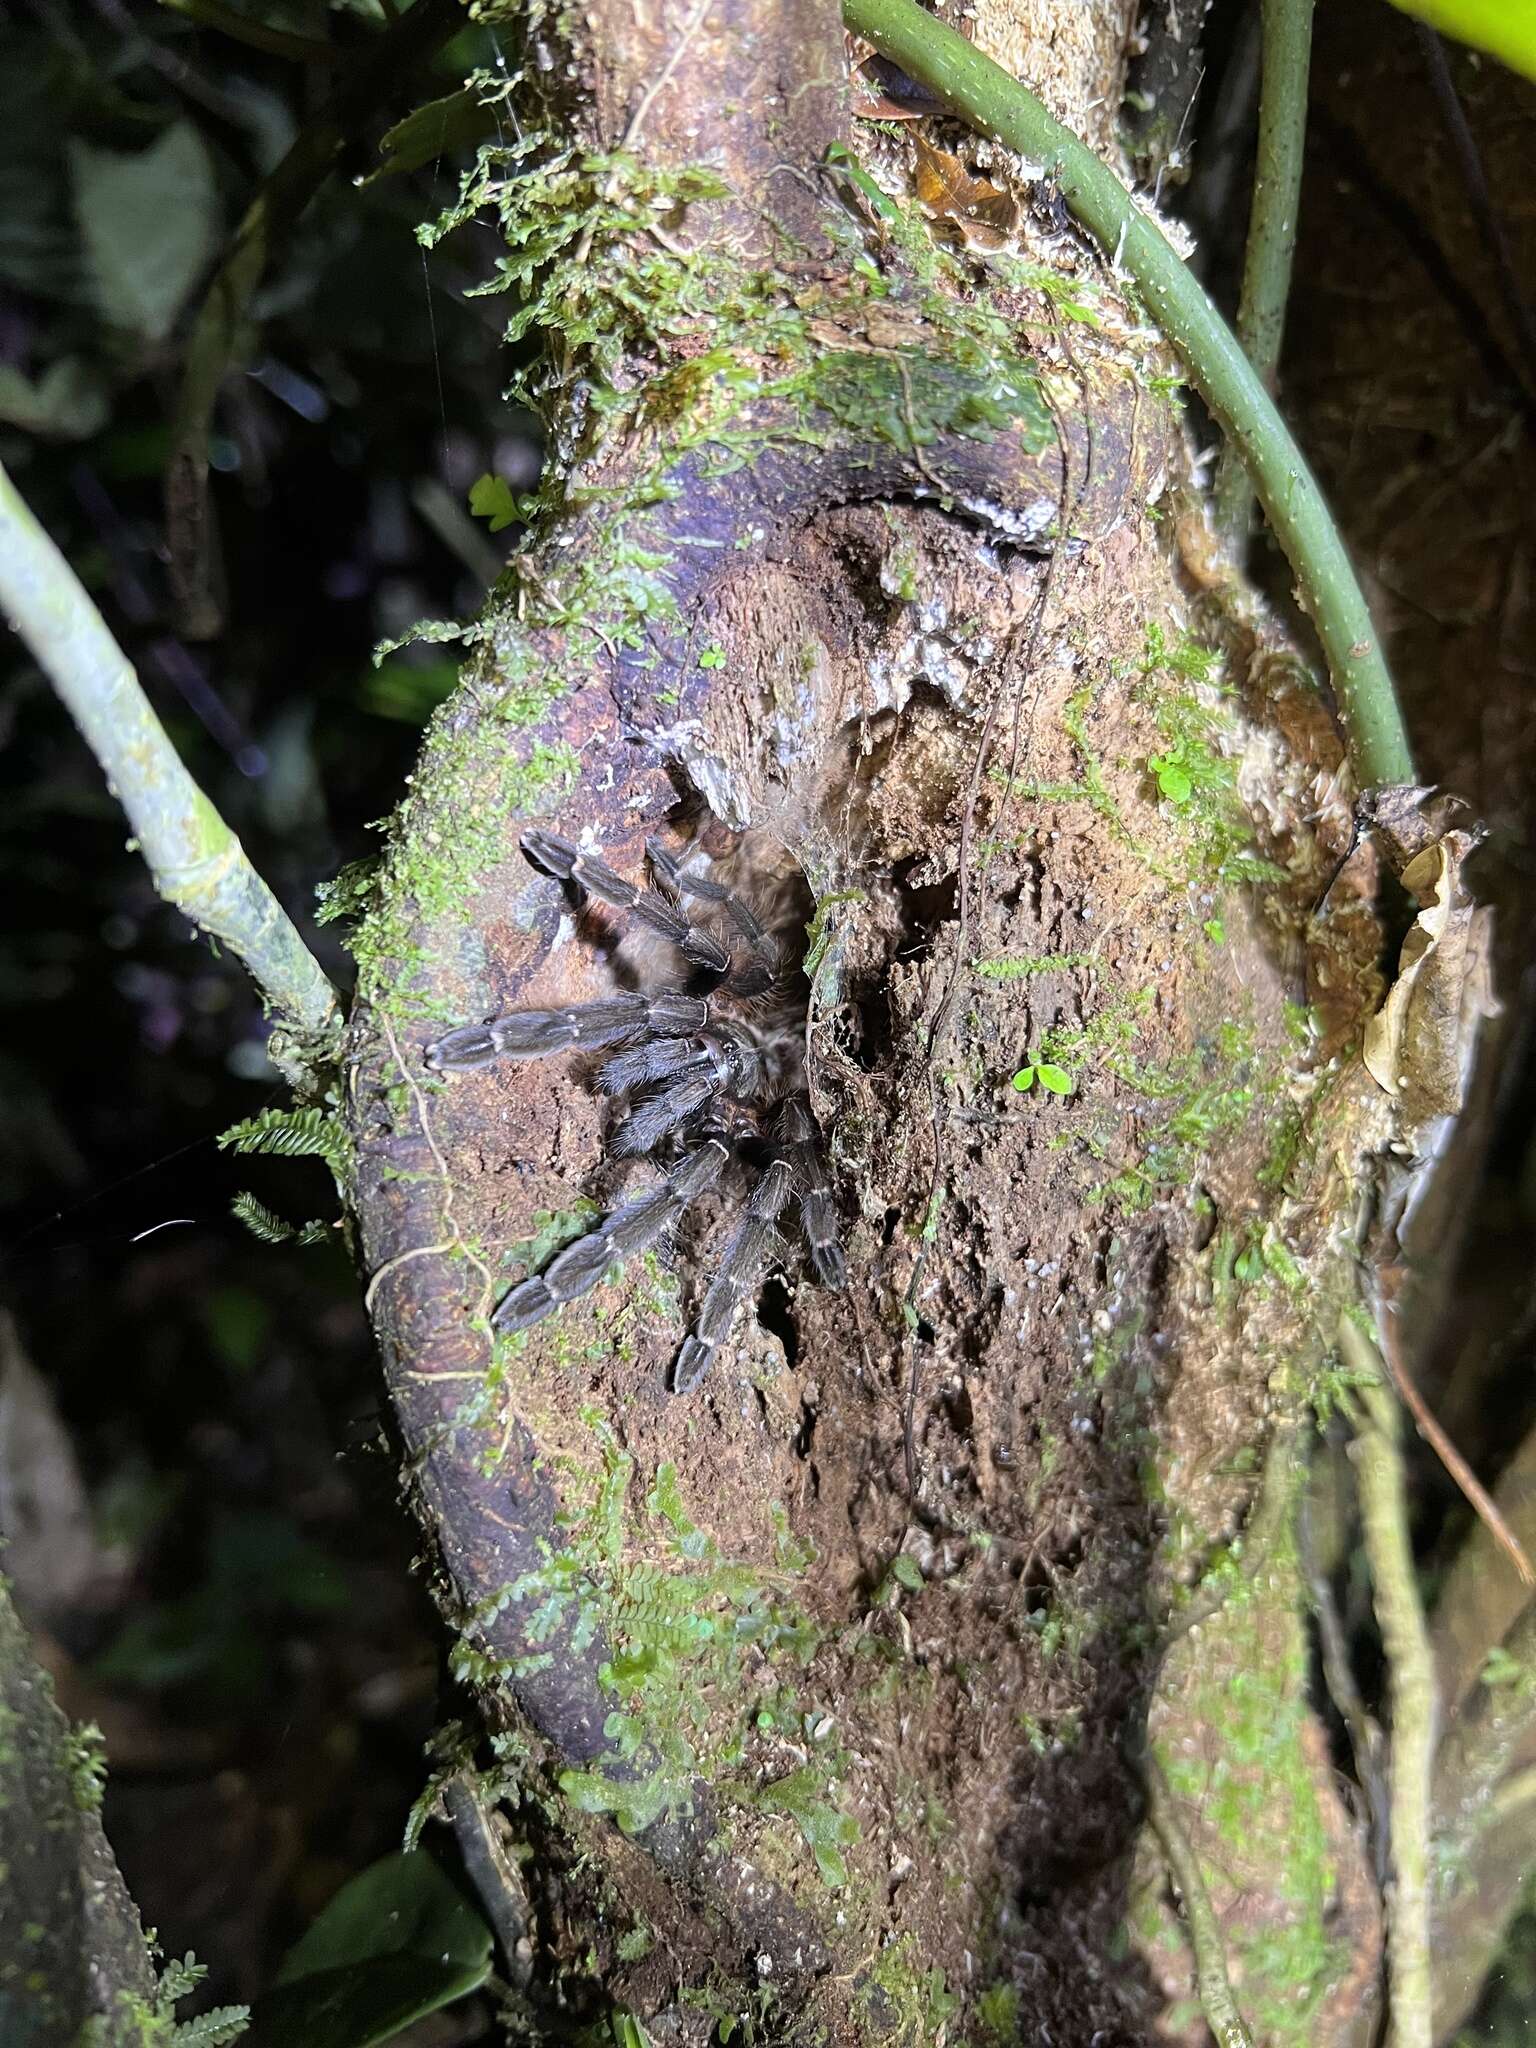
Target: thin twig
x,y
494,1874
1366,1740
663,77
1479,199
1411,1683
458,1241
1476,1495
1271,230
196,861
1211,1981
985,96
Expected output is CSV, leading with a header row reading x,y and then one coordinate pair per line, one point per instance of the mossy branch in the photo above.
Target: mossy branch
x,y
196,861
1485,1780
1411,1674
1271,228
985,96
73,1957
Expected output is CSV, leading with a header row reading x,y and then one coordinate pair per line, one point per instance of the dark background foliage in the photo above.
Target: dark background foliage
x,y
249,1635
242,1620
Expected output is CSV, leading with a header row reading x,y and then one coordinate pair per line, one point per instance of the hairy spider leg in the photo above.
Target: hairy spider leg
x,y
645,906
725,1049
531,1034
818,1219
635,1227
731,1066
753,1242
655,1059
766,964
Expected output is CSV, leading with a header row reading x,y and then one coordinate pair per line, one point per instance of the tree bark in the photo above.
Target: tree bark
x,y
869,563
72,1952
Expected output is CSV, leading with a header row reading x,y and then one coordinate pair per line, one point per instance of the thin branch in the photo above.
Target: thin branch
x,y
196,861
986,97
494,1874
1479,199
1484,1782
1211,1980
1473,1491
1411,1676
1271,230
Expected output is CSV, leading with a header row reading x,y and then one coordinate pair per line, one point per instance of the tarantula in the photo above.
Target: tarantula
x,y
699,1087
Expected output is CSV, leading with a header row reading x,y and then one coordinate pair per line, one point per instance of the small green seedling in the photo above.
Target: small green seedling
x,y
1053,1079
1173,779
490,497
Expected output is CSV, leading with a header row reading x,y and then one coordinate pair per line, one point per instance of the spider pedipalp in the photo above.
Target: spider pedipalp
x,y
701,1090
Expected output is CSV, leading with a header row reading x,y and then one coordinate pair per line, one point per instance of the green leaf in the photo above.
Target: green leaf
x,y
490,497
907,1572
827,1831
1173,778
216,2028
271,1228
1505,28
1056,1079
457,121
310,1132
1249,1264
1024,1078
68,402
712,657
150,223
396,1943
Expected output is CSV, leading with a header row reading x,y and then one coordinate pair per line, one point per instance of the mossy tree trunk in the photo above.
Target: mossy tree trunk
x,y
831,1694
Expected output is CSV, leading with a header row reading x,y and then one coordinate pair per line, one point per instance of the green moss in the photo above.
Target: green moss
x,y
1252,1780
152,2023
1191,773
826,1829
904,2000
997,2013
1023,966
750,2018
85,1762
591,265
684,1627
443,840
1093,787
1206,1094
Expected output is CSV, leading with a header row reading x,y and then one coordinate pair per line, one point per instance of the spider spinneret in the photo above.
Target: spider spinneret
x,y
701,1088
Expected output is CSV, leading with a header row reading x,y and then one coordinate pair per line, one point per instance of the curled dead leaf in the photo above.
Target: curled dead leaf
x,y
1421,1043
981,213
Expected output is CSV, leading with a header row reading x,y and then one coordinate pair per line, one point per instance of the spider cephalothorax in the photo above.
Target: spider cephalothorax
x,y
708,1073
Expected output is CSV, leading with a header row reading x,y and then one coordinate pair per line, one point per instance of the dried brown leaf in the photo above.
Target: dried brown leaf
x,y
1420,1044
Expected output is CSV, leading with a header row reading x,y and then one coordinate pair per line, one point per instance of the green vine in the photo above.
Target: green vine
x,y
985,96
